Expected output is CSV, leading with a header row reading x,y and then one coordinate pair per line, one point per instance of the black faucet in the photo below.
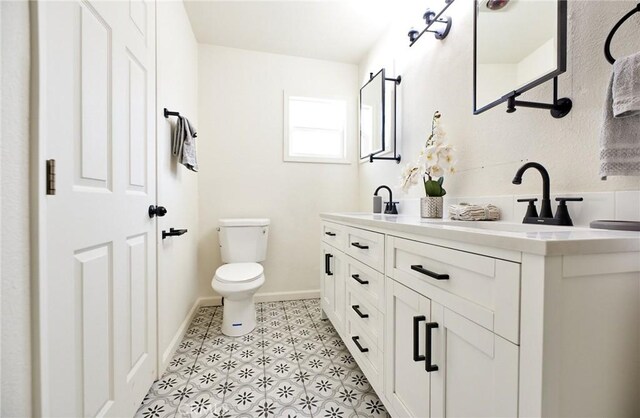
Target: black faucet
x,y
545,208
531,217
390,206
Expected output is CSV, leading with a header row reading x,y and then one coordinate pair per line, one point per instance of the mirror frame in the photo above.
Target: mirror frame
x,y
561,59
383,81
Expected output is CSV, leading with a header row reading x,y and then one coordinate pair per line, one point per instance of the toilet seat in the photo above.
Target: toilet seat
x,y
239,272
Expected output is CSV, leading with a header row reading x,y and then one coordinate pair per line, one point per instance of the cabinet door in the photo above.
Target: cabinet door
x,y
332,286
477,370
406,382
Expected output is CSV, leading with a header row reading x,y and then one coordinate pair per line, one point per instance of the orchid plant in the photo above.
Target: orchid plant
x,y
435,160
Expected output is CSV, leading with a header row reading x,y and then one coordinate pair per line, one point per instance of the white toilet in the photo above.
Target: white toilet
x,y
243,244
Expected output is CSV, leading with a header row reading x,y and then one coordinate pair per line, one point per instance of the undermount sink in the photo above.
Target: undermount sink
x,y
503,226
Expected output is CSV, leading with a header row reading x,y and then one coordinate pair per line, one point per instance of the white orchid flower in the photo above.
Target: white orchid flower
x,y
436,171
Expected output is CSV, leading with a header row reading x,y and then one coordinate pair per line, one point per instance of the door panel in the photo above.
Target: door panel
x,y
94,317
478,370
97,318
95,89
406,380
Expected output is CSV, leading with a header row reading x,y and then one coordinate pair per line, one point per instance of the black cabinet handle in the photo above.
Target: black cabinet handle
x,y
360,314
429,273
416,338
357,278
429,367
357,343
358,245
331,234
327,264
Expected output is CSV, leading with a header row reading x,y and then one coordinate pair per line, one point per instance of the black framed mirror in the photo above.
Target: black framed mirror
x,y
377,123
372,116
518,45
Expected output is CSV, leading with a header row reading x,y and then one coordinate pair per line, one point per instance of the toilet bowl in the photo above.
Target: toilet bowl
x,y
237,283
243,244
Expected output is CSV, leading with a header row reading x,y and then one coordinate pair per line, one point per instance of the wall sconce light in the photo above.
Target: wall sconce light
x,y
432,18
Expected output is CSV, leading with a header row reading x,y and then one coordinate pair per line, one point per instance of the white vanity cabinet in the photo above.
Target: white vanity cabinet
x,y
442,310
451,321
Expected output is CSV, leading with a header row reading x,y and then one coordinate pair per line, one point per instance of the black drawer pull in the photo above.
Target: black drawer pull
x,y
361,348
357,278
360,314
428,356
416,336
327,264
429,273
331,234
362,247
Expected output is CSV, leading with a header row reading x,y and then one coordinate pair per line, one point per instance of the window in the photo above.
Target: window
x,y
315,130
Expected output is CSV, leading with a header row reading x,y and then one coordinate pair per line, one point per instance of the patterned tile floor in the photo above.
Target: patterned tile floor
x,y
292,365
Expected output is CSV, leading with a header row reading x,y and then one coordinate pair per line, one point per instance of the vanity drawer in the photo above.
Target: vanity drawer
x,y
366,246
483,289
366,353
366,316
366,283
334,234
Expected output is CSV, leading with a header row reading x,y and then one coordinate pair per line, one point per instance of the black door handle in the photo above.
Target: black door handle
x,y
429,367
357,343
327,264
360,314
173,233
362,247
331,234
416,337
357,278
158,211
429,273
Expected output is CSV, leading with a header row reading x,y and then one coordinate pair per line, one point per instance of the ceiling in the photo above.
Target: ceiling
x,y
334,30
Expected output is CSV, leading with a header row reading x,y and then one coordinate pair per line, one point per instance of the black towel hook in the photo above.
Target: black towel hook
x,y
607,43
168,113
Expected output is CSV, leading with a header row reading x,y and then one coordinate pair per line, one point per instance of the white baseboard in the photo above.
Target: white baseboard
x,y
177,338
267,297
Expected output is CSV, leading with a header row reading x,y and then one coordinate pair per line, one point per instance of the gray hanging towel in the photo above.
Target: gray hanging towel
x,y
189,158
620,133
184,143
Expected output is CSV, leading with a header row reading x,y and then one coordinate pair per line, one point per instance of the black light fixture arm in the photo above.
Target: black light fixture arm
x,y
559,108
430,17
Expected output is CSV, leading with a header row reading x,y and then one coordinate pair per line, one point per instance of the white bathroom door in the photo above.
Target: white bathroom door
x,y
97,255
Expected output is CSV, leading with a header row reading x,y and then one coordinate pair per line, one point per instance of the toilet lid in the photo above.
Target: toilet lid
x,y
239,272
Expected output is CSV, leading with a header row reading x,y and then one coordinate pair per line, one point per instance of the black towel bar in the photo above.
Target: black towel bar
x,y
607,43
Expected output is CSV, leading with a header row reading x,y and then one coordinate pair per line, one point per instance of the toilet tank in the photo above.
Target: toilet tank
x,y
243,240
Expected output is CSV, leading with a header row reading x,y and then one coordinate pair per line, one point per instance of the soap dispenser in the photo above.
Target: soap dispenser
x,y
377,204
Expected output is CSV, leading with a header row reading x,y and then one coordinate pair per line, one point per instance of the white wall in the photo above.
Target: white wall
x,y
177,78
15,390
437,75
242,173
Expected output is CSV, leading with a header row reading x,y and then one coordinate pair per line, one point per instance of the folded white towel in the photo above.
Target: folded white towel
x,y
620,133
467,212
184,143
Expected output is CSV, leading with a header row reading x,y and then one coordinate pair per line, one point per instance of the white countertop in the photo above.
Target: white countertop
x,y
528,238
